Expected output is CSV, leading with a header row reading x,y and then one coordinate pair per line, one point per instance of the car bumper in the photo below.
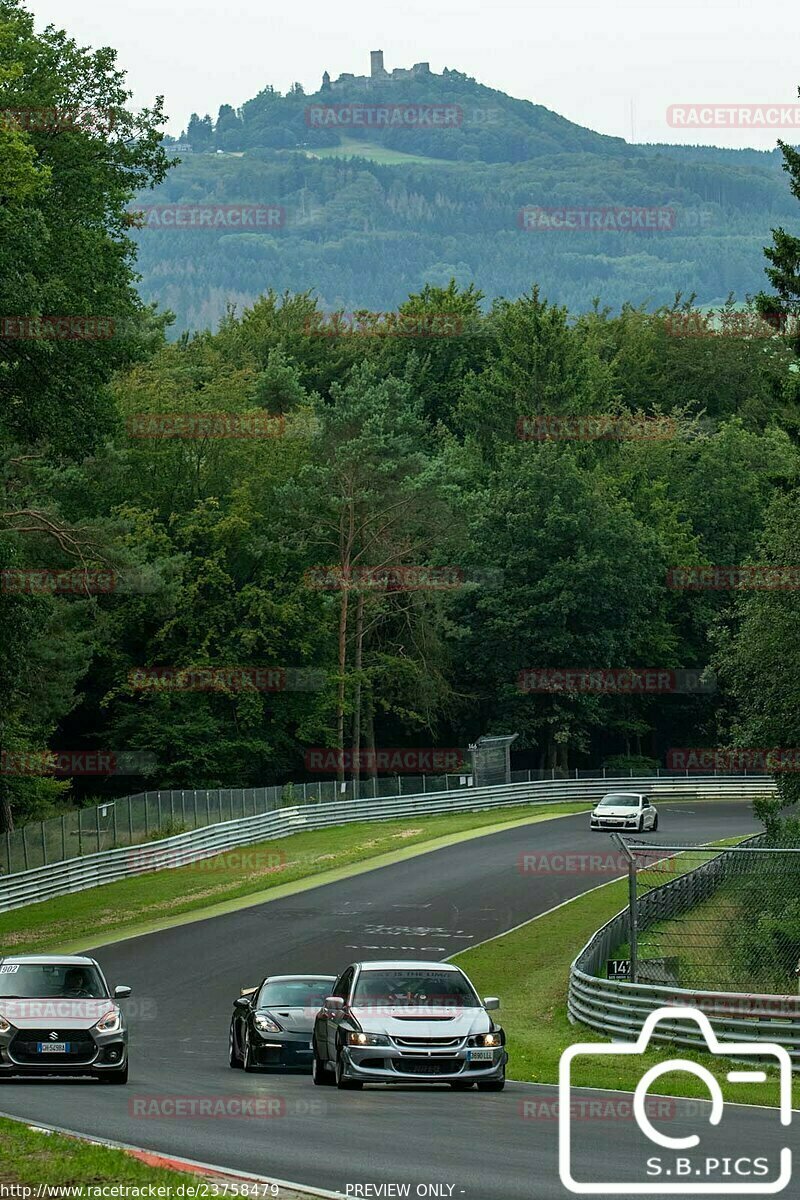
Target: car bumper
x,y
282,1050
386,1064
610,823
109,1052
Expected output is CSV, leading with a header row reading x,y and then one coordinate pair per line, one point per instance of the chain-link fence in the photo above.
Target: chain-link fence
x,y
131,820
718,918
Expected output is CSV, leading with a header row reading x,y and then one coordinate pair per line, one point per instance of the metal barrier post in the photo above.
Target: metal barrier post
x,y
633,908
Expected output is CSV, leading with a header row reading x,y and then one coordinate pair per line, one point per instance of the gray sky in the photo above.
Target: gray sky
x,y
612,67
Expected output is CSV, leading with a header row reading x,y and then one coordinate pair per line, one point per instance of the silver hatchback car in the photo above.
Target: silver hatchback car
x,y
408,1022
58,1017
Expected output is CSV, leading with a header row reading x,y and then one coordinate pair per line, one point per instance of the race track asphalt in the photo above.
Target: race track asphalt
x,y
483,1146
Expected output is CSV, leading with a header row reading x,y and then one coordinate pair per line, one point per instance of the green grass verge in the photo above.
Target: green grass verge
x,y
529,969
31,1156
239,878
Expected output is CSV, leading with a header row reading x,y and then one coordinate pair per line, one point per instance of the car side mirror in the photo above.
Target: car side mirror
x,y
241,1002
490,1003
334,1003
120,993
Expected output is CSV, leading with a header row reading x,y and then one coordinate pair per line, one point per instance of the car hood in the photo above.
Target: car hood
x,y
422,1022
70,1014
293,1020
616,810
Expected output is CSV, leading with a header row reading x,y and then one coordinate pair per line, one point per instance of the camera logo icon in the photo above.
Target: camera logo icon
x,y
678,1172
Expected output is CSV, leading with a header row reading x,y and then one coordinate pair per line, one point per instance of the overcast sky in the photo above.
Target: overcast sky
x,y
614,67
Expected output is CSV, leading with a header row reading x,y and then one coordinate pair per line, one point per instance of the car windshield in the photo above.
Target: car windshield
x,y
294,993
442,989
44,981
621,801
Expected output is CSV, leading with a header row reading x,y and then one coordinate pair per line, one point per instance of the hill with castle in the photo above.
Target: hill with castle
x,y
404,177
491,126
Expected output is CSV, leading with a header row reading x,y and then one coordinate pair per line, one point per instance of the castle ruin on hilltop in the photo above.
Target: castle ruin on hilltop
x,y
378,74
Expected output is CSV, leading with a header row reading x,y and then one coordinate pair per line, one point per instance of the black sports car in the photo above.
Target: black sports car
x,y
272,1024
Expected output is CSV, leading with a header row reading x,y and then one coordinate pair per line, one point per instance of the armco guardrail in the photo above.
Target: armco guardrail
x,y
619,1009
93,870
131,820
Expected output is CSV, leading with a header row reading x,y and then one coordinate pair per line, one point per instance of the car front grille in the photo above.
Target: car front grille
x,y
427,1043
429,1066
24,1047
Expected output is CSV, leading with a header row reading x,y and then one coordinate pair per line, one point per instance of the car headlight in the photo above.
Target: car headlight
x,y
265,1024
359,1038
110,1023
495,1038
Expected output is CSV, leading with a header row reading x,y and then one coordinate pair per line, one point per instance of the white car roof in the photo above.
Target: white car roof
x,y
53,960
405,964
306,975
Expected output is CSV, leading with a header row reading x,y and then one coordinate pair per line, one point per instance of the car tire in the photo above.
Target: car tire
x,y
320,1075
248,1064
654,826
343,1084
119,1076
640,826
491,1085
233,1058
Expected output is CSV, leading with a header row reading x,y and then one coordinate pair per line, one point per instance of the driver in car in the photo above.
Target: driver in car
x,y
77,985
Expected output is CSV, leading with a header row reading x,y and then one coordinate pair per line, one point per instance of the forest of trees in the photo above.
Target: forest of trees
x,y
386,445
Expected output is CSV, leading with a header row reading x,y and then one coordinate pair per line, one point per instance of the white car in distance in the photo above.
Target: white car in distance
x,y
625,810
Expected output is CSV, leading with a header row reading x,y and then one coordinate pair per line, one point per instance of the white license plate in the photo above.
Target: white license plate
x,y
53,1047
481,1055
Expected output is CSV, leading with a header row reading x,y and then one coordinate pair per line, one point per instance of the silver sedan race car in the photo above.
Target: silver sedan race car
x,y
59,1017
271,1024
625,810
408,1022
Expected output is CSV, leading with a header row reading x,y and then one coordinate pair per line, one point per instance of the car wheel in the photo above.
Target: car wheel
x,y
248,1062
491,1085
640,826
319,1075
118,1076
343,1084
655,823
233,1056
462,1085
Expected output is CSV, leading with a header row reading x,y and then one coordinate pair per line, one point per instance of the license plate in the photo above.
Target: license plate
x,y
54,1047
481,1055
